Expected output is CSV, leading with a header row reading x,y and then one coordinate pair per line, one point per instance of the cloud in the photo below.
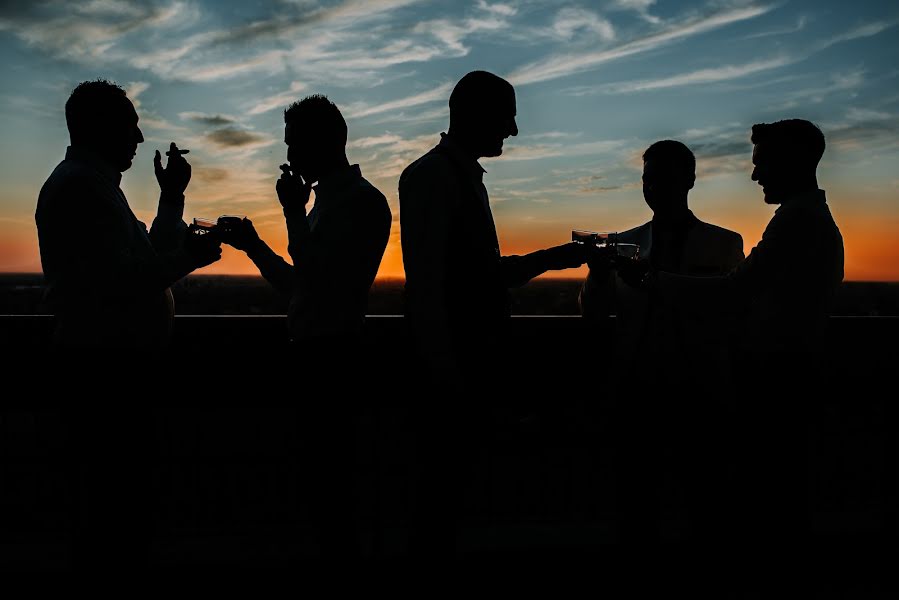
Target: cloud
x,y
361,109
799,26
206,119
503,10
702,76
378,140
641,7
278,101
562,65
90,32
569,21
232,137
134,89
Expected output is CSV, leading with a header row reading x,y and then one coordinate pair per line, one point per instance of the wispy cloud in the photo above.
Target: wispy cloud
x,y
280,100
641,7
801,22
569,21
361,109
563,65
712,75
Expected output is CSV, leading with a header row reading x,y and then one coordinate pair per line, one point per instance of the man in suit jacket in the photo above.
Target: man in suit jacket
x,y
682,341
668,351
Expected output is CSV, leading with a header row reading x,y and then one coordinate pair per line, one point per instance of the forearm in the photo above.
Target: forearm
x,y
277,271
518,270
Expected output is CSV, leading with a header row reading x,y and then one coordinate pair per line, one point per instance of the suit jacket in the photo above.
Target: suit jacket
x,y
692,339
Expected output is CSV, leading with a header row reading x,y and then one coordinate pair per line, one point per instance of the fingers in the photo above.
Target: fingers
x,y
157,165
175,151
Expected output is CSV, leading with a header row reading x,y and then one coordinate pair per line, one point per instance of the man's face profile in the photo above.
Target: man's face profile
x,y
768,173
499,124
121,135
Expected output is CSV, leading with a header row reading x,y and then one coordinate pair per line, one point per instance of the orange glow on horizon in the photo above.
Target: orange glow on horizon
x,y
871,246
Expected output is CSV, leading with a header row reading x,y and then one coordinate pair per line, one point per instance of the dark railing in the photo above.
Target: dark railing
x,y
228,477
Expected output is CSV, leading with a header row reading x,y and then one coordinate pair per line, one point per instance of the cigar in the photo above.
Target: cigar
x,y
179,151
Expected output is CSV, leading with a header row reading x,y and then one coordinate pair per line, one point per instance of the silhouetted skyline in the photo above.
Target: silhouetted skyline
x,y
596,83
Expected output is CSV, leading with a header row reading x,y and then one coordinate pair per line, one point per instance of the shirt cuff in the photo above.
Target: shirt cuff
x,y
171,205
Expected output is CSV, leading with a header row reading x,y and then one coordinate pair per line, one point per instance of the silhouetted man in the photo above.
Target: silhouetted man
x,y
336,251
789,280
108,278
457,290
674,241
457,282
667,350
108,283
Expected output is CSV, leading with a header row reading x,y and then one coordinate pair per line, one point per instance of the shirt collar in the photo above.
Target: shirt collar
x,y
92,159
803,198
461,157
338,179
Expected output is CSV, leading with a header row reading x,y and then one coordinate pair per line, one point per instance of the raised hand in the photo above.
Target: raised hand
x,y
173,179
292,190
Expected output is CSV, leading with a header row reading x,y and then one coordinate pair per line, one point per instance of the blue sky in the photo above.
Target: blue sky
x,y
596,83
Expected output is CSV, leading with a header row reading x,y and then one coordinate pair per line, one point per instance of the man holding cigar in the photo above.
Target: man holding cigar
x,y
107,277
108,285
336,250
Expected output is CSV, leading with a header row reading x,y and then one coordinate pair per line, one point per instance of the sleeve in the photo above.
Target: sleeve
x,y
168,229
427,203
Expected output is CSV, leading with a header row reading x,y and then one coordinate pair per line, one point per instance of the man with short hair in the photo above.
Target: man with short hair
x,y
457,300
669,349
108,285
336,251
788,281
457,281
108,279
337,248
675,241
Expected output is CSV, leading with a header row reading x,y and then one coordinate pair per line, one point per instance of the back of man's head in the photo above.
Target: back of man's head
x,y
796,139
93,108
318,119
673,156
479,93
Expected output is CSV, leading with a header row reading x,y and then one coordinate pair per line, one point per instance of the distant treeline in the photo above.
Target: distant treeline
x,y
21,294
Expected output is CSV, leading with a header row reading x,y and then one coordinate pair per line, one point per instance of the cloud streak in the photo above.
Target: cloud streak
x,y
562,65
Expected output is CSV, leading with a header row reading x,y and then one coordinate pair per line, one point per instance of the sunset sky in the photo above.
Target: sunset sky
x,y
596,81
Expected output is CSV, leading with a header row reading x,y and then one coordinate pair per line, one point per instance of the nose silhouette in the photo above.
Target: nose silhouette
x,y
140,136
514,130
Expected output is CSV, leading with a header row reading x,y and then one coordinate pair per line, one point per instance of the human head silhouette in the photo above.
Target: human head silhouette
x,y
482,113
785,157
100,117
315,133
669,172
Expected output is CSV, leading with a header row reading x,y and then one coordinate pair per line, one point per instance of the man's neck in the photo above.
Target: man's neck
x,y
672,218
332,167
798,191
465,144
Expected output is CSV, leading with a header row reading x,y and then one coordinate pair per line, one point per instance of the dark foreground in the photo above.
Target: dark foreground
x,y
225,488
